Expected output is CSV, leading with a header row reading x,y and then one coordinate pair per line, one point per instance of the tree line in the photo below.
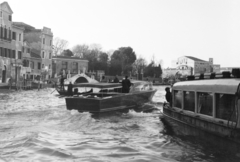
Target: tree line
x,y
122,61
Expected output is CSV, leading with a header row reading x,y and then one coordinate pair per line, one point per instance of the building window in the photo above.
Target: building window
x,y
1,51
20,37
205,103
10,34
14,35
50,55
42,66
49,67
43,40
9,53
6,55
64,65
1,14
28,50
23,49
1,32
13,54
42,54
50,42
19,55
10,17
177,99
39,65
5,33
32,64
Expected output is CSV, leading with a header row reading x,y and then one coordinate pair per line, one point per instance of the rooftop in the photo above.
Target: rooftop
x,y
67,57
195,59
26,27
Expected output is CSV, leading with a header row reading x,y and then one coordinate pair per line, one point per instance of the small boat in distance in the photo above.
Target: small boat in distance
x,y
206,106
110,97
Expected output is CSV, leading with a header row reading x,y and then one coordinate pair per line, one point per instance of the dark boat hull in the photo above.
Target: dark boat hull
x,y
109,101
217,133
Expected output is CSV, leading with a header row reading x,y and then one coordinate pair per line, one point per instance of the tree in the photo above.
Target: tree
x,y
59,45
67,53
80,50
122,59
139,65
152,70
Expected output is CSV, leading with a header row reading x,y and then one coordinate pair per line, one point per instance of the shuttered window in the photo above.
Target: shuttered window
x,y
13,54
19,55
10,35
14,35
39,65
5,33
3,52
9,53
6,53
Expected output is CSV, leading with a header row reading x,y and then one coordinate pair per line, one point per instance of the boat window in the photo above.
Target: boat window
x,y
205,103
189,101
177,99
225,107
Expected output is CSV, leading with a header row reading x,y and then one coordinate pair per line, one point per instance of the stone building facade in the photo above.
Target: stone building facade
x,y
68,66
17,45
188,65
11,41
40,40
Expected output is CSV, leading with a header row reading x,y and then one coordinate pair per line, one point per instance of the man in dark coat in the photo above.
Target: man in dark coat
x,y
62,83
168,95
116,79
126,84
70,89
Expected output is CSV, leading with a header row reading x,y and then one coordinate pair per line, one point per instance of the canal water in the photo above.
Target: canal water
x,y
35,126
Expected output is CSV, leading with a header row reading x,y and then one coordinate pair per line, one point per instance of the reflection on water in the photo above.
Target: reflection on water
x,y
35,126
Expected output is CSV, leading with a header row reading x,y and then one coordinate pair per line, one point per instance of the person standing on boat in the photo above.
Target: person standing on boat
x,y
126,84
62,83
103,79
116,80
70,89
168,95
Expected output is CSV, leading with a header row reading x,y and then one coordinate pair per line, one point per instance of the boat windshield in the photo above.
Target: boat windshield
x,y
141,86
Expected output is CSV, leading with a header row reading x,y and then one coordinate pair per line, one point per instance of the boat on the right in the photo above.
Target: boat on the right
x,y
206,106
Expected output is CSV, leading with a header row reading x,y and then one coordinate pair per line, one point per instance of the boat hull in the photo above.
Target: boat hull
x,y
109,101
217,133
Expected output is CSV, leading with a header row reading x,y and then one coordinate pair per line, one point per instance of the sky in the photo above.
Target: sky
x,y
162,30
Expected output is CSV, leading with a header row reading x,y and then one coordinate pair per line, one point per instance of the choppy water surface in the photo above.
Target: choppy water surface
x,y
35,126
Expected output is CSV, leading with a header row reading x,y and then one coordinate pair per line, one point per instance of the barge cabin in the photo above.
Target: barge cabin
x,y
206,104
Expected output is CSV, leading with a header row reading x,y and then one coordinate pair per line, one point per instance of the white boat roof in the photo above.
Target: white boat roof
x,y
227,86
98,85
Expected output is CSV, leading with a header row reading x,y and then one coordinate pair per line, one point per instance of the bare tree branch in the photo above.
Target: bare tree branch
x,y
59,45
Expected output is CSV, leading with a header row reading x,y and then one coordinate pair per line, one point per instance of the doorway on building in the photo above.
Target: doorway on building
x,y
4,72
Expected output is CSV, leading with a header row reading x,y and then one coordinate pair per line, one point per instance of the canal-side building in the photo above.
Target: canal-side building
x,y
5,41
188,65
32,62
40,40
17,46
68,66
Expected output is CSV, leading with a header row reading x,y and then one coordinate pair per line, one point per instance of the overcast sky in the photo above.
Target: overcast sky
x,y
165,29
